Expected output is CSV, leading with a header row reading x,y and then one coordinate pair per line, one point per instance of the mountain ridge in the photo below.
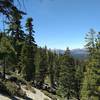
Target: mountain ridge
x,y
76,53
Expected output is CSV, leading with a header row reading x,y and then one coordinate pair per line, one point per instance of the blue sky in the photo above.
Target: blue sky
x,y
62,23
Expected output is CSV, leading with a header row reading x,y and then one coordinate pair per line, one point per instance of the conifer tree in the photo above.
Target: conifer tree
x,y
90,89
79,66
67,75
6,50
43,68
28,53
51,67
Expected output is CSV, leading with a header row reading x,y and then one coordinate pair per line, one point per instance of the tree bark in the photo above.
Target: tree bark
x,y
4,68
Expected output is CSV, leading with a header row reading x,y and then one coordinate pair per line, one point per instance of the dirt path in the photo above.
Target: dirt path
x,y
2,97
33,96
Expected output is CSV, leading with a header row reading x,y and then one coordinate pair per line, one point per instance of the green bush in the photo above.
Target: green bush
x,y
11,89
3,88
29,87
8,88
19,79
21,93
49,95
46,99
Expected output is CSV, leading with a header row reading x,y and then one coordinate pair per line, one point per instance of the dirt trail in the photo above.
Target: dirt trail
x,y
2,97
34,96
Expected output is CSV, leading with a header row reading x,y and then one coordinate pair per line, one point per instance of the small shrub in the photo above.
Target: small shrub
x,y
21,93
33,90
19,79
49,95
8,88
46,99
3,88
11,89
29,87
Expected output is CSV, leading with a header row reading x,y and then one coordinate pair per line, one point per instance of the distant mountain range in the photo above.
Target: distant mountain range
x,y
79,53
76,53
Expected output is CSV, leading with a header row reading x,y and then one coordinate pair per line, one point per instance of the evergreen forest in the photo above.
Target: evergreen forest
x,y
23,61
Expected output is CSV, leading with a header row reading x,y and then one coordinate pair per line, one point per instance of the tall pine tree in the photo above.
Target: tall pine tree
x,y
28,53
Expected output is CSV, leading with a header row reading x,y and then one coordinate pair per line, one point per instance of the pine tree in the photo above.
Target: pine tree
x,y
90,89
79,66
37,62
51,67
67,75
6,50
43,67
30,36
8,8
28,53
15,33
58,65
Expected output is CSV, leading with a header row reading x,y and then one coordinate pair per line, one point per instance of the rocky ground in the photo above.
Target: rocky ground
x,y
38,95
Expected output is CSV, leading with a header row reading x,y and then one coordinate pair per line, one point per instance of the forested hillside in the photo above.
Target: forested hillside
x,y
58,75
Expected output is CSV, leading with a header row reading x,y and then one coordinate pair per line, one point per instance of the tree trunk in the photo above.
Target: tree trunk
x,y
78,98
68,96
78,94
4,68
